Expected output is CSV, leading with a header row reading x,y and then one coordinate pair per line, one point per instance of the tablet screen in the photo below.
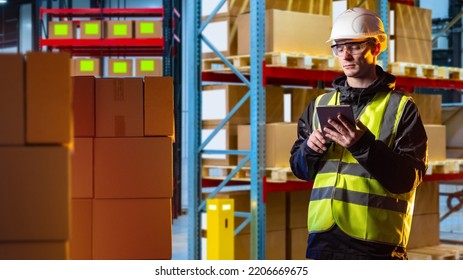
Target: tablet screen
x,y
325,112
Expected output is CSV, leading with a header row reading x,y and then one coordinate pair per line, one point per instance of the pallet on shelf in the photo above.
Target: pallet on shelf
x,y
273,174
447,166
413,69
452,73
439,252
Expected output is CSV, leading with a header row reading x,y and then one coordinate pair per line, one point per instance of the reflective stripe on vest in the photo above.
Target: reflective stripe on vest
x,y
345,193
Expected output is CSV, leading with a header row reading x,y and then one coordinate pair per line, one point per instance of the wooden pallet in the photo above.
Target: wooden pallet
x,y
413,69
273,174
273,59
450,73
439,252
447,166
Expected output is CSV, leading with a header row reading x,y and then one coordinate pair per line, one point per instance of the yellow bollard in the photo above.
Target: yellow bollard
x,y
220,229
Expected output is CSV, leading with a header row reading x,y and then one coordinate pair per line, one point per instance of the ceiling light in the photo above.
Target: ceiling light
x,y
3,1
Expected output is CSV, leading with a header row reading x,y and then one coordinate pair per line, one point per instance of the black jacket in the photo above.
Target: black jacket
x,y
397,169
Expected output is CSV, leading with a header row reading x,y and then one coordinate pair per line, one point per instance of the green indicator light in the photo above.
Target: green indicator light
x,y
91,29
147,27
147,65
120,29
87,65
120,67
61,29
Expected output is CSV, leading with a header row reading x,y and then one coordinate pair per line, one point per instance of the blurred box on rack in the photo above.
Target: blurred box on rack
x,y
288,32
80,240
85,67
148,29
12,115
145,67
119,29
436,142
120,67
410,22
279,139
61,30
403,49
91,29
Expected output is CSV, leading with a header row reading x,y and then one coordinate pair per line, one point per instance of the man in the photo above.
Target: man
x,y
365,174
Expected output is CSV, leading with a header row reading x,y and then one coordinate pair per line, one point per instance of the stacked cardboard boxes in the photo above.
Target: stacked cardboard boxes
x,y
123,165
36,134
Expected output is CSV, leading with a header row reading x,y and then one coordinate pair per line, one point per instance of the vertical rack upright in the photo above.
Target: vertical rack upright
x,y
192,124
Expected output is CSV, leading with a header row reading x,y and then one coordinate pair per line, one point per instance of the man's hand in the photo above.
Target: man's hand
x,y
344,133
317,142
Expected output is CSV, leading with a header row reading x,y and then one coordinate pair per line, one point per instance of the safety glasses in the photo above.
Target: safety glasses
x,y
352,48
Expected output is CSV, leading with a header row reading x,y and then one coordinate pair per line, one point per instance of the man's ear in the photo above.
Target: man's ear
x,y
376,49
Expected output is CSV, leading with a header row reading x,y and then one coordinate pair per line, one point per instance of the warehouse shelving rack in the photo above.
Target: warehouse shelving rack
x,y
104,47
259,76
192,125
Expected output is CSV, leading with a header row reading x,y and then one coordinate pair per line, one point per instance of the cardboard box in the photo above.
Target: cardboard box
x,y
279,140
91,29
219,100
80,241
159,105
297,203
222,33
403,49
34,250
120,67
82,168
61,30
85,67
436,142
321,7
12,120
411,22
452,117
148,29
275,246
301,98
288,32
225,139
427,198
137,229
83,103
119,107
148,67
429,107
48,98
425,231
34,193
119,29
275,207
133,167
296,243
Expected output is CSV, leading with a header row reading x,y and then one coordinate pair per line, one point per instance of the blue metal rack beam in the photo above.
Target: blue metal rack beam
x,y
193,149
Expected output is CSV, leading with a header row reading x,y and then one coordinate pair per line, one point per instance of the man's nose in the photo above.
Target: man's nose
x,y
347,55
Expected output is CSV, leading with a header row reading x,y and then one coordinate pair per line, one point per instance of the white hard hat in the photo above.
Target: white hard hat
x,y
357,23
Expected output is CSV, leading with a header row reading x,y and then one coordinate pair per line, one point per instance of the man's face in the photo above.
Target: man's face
x,y
355,56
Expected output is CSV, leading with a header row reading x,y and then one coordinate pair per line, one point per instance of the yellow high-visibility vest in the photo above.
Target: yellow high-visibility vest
x,y
346,194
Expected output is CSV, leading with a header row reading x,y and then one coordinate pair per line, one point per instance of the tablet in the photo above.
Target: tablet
x,y
325,112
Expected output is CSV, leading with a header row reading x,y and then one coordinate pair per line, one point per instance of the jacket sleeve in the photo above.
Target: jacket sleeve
x,y
303,160
401,168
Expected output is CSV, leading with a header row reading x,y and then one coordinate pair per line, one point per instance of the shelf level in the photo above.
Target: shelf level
x,y
310,77
107,47
105,12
